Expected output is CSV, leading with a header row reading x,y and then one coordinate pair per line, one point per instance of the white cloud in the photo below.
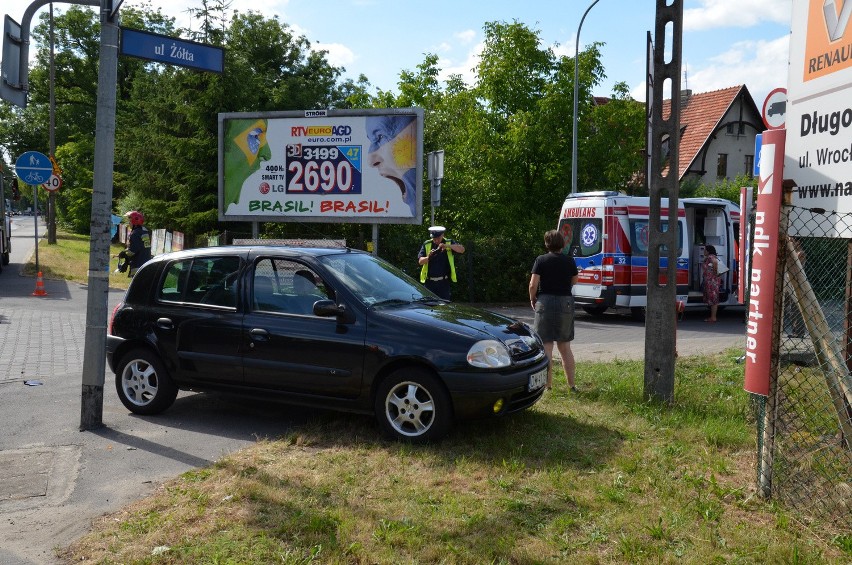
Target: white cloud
x,y
338,54
760,65
466,37
465,68
563,50
736,13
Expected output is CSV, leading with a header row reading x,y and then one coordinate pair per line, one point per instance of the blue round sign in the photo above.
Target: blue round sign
x,y
34,168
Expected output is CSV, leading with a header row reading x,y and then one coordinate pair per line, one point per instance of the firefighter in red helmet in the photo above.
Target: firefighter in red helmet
x,y
138,244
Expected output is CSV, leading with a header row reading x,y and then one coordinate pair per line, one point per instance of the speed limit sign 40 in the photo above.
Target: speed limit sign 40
x,y
53,183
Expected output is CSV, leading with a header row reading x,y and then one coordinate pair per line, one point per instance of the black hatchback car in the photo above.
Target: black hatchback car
x,y
328,328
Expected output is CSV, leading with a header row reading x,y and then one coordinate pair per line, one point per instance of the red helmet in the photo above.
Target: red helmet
x,y
136,218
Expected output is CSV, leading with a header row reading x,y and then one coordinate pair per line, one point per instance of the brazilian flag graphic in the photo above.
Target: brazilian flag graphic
x,y
245,149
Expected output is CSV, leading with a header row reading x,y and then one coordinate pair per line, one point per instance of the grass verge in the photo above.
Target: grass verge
x,y
68,259
594,477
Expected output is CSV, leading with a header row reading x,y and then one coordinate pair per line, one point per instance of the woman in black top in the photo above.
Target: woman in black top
x,y
553,276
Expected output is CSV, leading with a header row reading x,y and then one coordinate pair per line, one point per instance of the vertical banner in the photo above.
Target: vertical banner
x,y
744,243
177,241
761,307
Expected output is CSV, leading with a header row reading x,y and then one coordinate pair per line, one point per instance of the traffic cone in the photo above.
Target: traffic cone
x,y
39,290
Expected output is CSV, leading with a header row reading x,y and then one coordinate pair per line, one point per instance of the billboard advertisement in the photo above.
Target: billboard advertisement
x,y
322,166
819,109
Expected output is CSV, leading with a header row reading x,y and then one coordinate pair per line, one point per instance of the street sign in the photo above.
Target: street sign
x,y
116,4
775,109
53,183
33,168
11,89
171,50
758,143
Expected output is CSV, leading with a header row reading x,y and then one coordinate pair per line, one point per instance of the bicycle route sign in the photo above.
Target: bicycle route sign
x,y
34,168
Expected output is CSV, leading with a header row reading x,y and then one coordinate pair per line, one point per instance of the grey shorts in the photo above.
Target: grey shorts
x,y
554,317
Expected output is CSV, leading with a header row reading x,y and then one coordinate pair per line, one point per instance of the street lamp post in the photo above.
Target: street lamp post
x,y
574,137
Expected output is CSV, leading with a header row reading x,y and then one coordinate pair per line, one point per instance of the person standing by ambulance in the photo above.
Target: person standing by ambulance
x,y
554,274
436,258
138,243
711,280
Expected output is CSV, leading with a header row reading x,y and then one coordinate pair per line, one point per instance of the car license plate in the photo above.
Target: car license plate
x,y
538,380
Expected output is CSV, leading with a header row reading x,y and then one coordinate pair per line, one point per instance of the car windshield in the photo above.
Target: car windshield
x,y
374,281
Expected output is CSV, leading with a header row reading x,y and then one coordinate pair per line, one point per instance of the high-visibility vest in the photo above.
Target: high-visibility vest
x,y
425,270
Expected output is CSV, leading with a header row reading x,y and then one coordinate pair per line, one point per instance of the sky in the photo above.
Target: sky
x,y
725,42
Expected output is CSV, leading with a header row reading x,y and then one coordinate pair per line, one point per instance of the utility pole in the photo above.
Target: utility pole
x,y
660,316
94,359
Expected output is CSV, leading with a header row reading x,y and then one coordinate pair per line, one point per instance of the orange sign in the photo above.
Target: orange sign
x,y
828,45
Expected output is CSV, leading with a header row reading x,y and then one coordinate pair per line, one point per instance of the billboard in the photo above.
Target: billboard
x,y
322,166
819,109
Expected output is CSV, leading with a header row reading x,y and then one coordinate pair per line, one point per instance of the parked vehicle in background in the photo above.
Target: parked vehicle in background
x,y
5,234
608,234
328,328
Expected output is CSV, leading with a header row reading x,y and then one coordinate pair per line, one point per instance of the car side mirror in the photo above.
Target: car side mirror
x,y
328,308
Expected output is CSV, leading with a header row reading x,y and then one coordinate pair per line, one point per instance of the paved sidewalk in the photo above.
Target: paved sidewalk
x,y
57,479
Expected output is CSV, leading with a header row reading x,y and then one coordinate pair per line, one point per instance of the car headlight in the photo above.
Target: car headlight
x,y
489,354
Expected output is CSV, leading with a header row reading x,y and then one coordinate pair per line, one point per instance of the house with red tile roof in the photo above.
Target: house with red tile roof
x,y
717,133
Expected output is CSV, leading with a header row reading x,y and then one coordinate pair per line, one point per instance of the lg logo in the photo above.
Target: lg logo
x,y
834,25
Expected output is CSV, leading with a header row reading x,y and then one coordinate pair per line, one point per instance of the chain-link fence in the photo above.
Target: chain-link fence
x,y
808,464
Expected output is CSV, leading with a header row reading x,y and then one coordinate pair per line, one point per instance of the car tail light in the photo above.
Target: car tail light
x,y
112,318
607,272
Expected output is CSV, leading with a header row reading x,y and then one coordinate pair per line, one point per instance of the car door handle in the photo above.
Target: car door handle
x,y
259,334
165,324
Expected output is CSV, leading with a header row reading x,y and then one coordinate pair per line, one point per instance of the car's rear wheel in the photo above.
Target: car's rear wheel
x,y
413,406
143,384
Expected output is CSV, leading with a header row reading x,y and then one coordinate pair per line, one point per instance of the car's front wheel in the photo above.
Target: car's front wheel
x,y
412,405
143,384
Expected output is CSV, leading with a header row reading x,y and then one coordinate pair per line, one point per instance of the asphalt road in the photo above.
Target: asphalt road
x,y
56,479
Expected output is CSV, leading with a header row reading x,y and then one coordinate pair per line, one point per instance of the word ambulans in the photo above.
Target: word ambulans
x,y
608,234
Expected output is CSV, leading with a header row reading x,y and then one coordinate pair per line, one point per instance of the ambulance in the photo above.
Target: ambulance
x,y
607,233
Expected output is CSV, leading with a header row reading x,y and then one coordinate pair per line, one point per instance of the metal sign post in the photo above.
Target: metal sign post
x,y
435,173
34,168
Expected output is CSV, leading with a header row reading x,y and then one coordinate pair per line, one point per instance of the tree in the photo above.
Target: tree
x,y
619,134
169,127
506,137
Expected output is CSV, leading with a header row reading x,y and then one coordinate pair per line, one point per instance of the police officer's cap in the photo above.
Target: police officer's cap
x,y
435,231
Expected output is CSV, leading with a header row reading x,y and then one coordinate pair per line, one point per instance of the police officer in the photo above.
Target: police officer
x,y
139,243
437,262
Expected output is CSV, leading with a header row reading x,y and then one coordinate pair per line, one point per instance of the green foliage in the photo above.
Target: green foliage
x,y
619,127
507,138
724,188
74,201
